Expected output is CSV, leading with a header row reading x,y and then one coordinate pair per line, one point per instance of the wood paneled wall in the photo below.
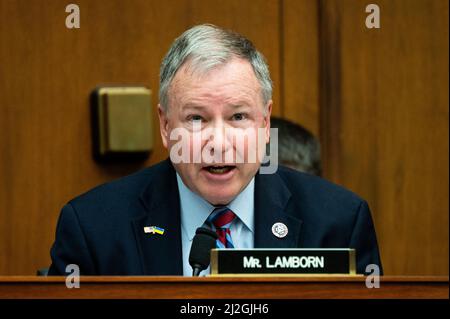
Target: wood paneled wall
x,y
300,63
378,99
384,123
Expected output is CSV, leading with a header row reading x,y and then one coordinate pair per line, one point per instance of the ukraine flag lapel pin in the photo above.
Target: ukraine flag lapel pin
x,y
154,230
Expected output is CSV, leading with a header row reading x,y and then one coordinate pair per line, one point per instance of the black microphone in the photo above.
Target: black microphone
x,y
199,257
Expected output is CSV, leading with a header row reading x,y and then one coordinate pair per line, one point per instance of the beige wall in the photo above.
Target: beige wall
x,y
378,99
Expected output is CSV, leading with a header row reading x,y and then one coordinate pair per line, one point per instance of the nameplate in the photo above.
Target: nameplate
x,y
283,261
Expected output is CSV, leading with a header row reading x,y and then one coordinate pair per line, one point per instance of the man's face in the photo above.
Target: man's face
x,y
225,100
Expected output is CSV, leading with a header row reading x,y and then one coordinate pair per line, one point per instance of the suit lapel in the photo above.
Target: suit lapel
x,y
160,254
272,206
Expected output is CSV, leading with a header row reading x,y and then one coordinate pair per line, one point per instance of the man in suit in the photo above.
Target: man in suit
x,y
214,81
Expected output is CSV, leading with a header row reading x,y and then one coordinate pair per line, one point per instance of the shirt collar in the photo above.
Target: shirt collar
x,y
195,210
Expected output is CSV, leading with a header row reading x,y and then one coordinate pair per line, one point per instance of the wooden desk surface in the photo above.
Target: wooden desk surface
x,y
242,287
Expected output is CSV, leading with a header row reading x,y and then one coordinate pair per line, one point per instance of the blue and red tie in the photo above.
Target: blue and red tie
x,y
221,218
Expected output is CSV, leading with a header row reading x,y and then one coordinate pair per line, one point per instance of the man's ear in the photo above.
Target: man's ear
x,y
163,125
267,120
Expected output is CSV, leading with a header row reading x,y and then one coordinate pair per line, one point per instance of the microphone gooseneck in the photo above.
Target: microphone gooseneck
x,y
200,254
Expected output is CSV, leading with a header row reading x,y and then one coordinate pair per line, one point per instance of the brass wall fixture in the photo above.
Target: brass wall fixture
x,y
122,123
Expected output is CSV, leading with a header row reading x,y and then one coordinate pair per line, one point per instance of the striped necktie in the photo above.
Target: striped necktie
x,y
221,218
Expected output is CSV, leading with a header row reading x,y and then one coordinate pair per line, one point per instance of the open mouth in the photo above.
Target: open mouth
x,y
214,169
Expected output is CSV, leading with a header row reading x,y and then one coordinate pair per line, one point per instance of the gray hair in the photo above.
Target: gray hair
x,y
206,47
298,148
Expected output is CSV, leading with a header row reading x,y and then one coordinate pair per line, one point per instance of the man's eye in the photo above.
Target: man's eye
x,y
239,117
195,118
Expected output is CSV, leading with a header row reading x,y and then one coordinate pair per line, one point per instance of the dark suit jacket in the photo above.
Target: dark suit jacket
x,y
102,231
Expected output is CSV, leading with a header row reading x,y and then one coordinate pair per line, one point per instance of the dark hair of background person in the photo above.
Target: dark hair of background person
x,y
298,148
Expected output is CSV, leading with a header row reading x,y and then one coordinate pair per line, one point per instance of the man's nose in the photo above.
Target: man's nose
x,y
221,140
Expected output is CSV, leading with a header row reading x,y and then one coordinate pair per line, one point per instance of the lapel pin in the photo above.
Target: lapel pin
x,y
280,230
154,230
